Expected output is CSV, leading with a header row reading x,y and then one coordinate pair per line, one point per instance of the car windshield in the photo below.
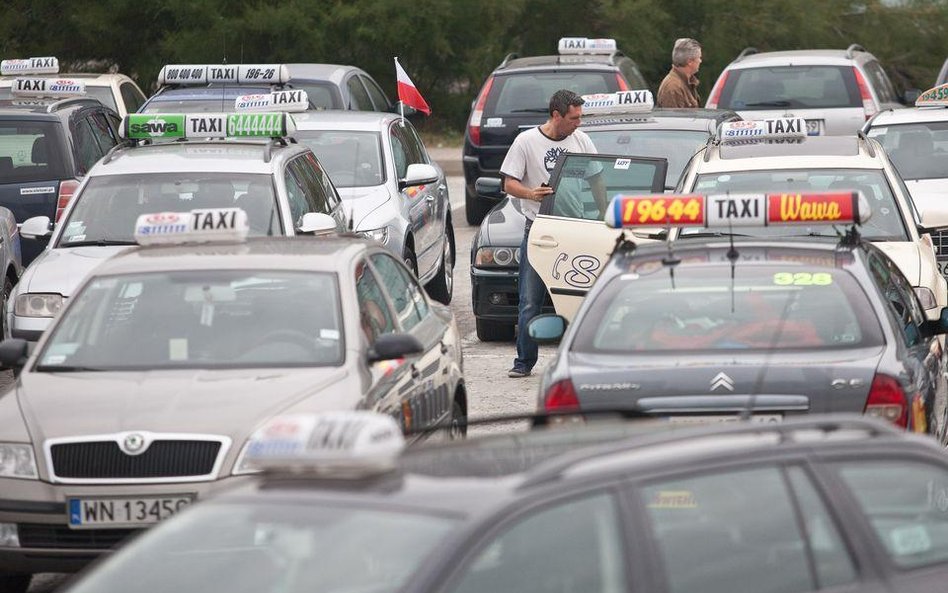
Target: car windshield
x,y
353,159
918,150
885,224
102,94
30,151
199,319
675,145
794,87
700,308
269,547
211,99
109,205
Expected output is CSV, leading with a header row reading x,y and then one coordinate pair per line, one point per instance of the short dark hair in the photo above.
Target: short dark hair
x,y
562,100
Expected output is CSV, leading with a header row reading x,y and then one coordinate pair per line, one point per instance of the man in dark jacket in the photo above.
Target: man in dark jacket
x,y
680,87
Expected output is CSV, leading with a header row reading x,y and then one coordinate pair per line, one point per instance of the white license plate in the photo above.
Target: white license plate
x,y
814,127
124,512
756,418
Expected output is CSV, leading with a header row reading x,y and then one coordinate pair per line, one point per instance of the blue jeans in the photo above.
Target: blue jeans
x,y
532,293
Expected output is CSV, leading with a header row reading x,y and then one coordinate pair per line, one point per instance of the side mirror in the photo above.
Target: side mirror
x,y
392,346
316,223
37,227
933,219
419,174
489,187
13,353
546,329
910,96
931,328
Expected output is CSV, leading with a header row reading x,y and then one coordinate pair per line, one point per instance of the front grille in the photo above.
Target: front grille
x,y
162,459
42,535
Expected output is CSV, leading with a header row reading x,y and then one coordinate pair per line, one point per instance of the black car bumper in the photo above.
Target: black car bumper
x,y
494,294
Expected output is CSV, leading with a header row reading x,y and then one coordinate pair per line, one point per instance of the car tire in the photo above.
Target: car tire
x,y
494,331
410,260
474,210
458,428
15,583
4,299
441,288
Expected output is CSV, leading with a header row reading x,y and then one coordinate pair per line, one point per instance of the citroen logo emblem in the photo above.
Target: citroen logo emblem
x,y
723,381
134,443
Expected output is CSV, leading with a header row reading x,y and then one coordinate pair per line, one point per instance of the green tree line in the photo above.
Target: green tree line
x,y
449,46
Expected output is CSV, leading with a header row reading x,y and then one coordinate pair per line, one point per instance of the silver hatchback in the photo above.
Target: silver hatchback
x,y
835,91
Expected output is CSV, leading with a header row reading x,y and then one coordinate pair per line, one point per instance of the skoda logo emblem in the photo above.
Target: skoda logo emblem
x,y
134,443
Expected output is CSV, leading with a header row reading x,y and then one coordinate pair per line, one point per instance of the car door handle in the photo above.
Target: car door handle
x,y
415,373
545,242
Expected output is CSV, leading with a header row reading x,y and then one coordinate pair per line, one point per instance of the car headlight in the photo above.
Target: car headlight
x,y
16,461
380,236
241,466
37,305
926,296
497,257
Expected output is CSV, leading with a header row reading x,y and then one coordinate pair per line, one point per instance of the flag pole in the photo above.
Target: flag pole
x,y
401,104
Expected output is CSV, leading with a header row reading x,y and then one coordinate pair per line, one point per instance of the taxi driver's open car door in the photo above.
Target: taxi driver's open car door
x,y
569,242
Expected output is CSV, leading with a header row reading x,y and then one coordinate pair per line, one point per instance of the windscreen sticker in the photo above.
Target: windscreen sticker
x,y
27,191
802,279
673,499
178,349
329,334
623,164
54,359
81,237
909,540
75,228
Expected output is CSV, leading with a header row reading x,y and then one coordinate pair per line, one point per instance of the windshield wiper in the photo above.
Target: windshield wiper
x,y
769,104
530,110
65,368
99,243
706,234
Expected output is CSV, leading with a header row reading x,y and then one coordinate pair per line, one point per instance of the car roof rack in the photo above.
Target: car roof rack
x,y
507,58
69,101
827,423
862,136
854,48
747,51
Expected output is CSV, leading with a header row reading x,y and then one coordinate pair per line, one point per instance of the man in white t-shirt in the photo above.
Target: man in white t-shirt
x,y
526,172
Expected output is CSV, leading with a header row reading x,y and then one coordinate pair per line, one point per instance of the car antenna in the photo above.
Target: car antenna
x,y
732,256
670,260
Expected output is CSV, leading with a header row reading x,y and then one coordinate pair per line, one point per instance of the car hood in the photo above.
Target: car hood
x,y
789,382
928,193
906,257
229,402
503,226
360,202
62,270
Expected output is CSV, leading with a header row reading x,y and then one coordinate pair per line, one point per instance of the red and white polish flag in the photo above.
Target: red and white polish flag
x,y
408,92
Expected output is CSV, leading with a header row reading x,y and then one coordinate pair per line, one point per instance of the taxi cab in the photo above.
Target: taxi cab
x,y
114,90
215,160
140,398
768,328
775,155
916,141
849,504
214,88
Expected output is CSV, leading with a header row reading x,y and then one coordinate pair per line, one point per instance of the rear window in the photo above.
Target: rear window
x,y
30,151
530,92
102,94
796,87
764,307
919,150
675,145
321,96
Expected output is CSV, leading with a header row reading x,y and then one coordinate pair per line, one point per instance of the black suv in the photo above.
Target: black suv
x,y
516,96
46,147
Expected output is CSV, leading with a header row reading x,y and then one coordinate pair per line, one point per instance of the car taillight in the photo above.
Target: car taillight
x,y
623,86
474,126
716,91
868,105
561,397
887,401
67,188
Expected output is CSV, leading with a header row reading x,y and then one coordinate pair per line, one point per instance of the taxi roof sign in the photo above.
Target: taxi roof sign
x,y
223,73
934,97
292,101
49,65
619,102
763,129
201,225
48,87
146,126
341,444
584,45
737,210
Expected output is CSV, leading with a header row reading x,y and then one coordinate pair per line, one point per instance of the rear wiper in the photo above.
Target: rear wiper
x,y
530,110
65,368
98,243
769,104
